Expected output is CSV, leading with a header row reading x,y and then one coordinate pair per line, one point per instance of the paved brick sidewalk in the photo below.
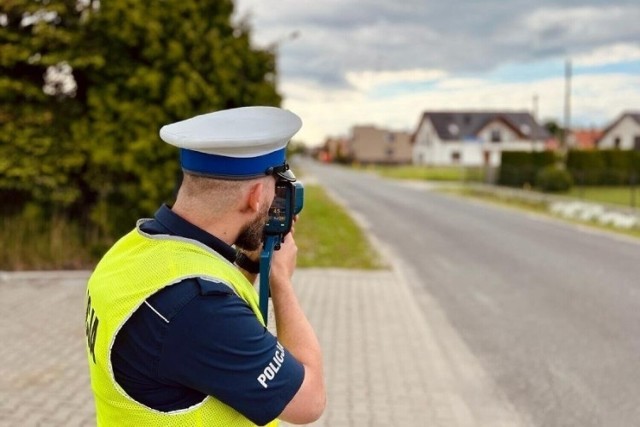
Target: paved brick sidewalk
x,y
390,364
43,370
387,362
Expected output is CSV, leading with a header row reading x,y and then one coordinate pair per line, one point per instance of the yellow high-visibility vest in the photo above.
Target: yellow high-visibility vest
x,y
136,267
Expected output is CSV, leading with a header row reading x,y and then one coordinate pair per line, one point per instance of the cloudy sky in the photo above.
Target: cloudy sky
x,y
384,62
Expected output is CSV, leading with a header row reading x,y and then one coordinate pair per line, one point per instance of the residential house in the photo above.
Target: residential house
x,y
474,138
369,144
623,133
334,149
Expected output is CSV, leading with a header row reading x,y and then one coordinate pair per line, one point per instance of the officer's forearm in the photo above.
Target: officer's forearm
x,y
297,335
294,330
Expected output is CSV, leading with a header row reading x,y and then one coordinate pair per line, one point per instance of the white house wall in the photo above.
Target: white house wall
x,y
430,150
627,130
426,145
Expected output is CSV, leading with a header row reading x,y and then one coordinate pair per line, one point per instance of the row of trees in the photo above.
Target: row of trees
x,y
85,86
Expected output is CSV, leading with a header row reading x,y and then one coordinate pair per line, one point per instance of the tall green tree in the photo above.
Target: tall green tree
x,y
38,158
101,79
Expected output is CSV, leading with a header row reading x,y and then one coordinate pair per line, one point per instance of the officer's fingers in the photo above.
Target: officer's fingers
x,y
289,239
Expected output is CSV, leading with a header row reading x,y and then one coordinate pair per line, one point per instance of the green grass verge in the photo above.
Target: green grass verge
x,y
325,234
56,244
328,237
531,206
625,196
429,173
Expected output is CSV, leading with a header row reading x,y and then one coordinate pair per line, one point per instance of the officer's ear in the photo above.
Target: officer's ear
x,y
254,197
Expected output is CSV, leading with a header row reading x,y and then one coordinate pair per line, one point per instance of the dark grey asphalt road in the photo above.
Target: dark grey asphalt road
x,y
551,312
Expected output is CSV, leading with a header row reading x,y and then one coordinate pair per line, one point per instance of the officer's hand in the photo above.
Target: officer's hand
x,y
284,261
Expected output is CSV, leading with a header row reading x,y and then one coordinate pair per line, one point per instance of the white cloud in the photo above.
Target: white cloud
x,y
383,63
596,100
584,20
367,80
616,53
574,30
462,84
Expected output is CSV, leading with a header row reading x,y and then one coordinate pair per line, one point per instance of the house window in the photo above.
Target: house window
x,y
616,142
389,152
456,157
391,137
496,135
636,143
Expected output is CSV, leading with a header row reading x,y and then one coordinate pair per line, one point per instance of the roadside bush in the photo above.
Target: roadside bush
x,y
553,179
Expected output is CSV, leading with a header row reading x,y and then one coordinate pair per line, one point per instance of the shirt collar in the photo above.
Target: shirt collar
x,y
178,226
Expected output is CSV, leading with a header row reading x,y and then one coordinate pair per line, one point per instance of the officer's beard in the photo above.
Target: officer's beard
x,y
251,237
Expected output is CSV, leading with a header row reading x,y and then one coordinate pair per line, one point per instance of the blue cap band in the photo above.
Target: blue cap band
x,y
229,167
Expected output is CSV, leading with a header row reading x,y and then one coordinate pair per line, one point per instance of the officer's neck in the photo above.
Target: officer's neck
x,y
226,227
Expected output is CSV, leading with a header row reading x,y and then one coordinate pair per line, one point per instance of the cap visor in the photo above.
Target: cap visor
x,y
287,175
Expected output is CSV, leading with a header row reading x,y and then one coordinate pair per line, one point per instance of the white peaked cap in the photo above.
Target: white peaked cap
x,y
236,143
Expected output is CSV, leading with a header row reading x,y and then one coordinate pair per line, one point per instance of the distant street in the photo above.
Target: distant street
x,y
551,312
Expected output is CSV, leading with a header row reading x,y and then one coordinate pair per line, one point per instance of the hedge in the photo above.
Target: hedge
x,y
520,168
604,167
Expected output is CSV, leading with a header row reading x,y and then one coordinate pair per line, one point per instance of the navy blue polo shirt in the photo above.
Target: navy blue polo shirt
x,y
198,338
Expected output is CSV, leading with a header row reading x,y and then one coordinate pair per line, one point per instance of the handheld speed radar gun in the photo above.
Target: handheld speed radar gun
x,y
287,203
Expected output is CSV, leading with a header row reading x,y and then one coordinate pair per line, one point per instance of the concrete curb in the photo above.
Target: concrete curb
x,y
8,276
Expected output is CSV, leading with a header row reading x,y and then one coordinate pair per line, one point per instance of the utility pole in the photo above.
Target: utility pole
x,y
567,106
534,113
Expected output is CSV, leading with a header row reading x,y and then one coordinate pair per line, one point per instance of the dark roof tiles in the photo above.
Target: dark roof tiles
x,y
465,125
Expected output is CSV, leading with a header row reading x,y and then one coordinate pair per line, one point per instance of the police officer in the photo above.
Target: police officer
x,y
174,333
